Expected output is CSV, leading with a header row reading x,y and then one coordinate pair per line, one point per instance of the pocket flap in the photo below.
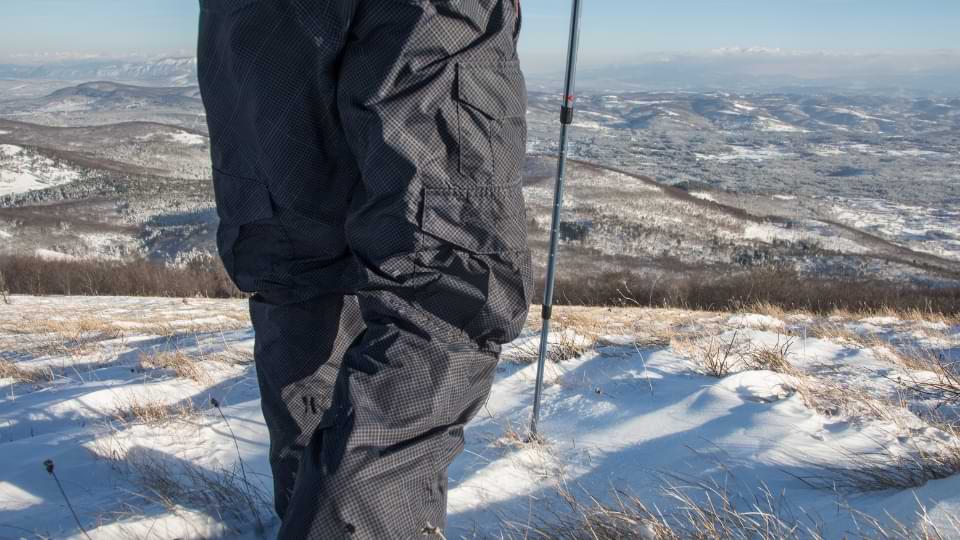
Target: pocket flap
x,y
481,220
492,88
241,200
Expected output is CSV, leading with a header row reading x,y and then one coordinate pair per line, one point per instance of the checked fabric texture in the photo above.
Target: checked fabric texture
x,y
367,157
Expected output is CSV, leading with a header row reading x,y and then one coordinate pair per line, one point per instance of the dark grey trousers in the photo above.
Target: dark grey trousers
x,y
366,162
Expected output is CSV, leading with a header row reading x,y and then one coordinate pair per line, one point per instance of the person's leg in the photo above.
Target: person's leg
x,y
297,354
433,101
283,176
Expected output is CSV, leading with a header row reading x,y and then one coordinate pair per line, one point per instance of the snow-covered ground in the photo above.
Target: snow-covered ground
x,y
933,230
179,136
24,170
745,153
800,418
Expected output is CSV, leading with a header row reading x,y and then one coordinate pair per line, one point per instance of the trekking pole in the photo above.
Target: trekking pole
x,y
566,118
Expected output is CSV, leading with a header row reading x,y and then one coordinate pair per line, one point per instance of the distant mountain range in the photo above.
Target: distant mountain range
x,y
105,94
753,69
165,71
914,74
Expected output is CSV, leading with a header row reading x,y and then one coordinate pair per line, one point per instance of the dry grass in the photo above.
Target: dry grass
x,y
46,336
33,275
232,356
915,357
894,529
927,371
24,374
768,309
726,289
927,458
837,332
700,511
842,400
712,354
4,292
182,365
708,511
912,357
512,436
774,357
565,344
943,387
913,313
172,483
152,411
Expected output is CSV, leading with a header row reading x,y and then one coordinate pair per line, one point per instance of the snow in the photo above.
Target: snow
x,y
189,139
934,230
858,114
620,416
914,152
602,116
767,123
8,150
24,170
828,150
179,137
589,124
754,320
745,153
51,255
703,195
768,233
649,102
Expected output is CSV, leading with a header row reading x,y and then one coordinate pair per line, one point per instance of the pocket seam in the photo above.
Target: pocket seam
x,y
469,95
487,94
495,213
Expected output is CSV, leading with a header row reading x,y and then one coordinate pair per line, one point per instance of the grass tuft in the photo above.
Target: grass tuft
x,y
699,511
926,459
152,411
565,344
182,365
21,374
774,357
713,355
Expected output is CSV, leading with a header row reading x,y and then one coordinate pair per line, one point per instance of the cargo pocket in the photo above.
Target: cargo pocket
x,y
491,109
482,220
241,203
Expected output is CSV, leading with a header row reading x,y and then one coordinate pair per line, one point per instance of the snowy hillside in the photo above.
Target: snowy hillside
x,y
23,170
767,424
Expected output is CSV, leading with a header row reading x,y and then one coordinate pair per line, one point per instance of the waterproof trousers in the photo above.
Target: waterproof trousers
x,y
367,160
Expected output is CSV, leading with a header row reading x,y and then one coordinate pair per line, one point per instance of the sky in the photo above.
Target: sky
x,y
613,30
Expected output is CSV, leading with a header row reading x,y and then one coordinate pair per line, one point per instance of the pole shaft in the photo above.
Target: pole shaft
x,y
566,118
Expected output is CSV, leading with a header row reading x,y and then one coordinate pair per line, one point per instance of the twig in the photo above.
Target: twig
x,y
216,404
48,465
243,471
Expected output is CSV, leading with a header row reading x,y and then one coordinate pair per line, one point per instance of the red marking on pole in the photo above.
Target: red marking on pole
x,y
570,99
